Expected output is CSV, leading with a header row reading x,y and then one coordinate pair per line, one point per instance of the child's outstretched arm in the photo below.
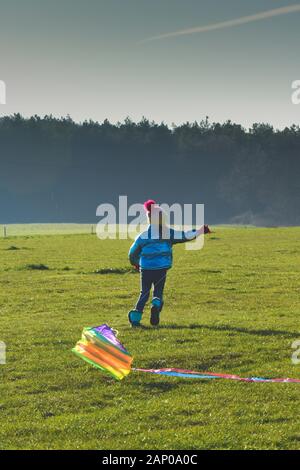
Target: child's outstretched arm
x,y
182,237
134,252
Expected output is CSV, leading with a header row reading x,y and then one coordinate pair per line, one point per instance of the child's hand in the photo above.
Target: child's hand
x,y
203,230
136,267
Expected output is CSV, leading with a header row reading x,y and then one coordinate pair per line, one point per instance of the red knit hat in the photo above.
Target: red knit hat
x,y
148,204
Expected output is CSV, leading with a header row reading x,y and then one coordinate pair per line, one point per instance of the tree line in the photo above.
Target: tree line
x,y
57,170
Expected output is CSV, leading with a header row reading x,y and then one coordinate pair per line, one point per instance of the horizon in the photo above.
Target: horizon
x,y
171,126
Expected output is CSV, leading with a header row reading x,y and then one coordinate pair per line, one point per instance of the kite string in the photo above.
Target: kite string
x,y
211,375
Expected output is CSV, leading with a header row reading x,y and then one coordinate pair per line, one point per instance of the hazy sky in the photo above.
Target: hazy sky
x,y
89,59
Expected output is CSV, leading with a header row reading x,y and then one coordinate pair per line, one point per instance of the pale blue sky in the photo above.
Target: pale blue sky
x,y
87,59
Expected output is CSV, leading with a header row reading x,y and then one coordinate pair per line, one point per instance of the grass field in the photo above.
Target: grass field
x,y
232,307
14,230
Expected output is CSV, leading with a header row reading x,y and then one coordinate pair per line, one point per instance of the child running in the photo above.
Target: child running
x,y
151,254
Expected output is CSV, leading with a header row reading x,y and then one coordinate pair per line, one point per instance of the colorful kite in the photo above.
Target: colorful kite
x,y
100,347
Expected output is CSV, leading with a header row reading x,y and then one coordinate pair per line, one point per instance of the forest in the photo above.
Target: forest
x,y
57,170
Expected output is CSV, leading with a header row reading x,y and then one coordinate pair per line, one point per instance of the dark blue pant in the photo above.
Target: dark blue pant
x,y
149,277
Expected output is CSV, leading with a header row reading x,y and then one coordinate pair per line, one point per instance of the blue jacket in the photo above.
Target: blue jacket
x,y
152,250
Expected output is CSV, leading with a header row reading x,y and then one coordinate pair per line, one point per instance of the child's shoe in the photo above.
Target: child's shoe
x,y
156,308
134,317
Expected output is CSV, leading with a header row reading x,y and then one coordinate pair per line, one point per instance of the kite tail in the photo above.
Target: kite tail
x,y
190,374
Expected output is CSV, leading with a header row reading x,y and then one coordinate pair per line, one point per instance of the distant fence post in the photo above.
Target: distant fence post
x,y
92,230
4,232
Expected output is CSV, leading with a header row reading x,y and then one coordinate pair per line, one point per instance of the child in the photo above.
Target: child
x,y
151,253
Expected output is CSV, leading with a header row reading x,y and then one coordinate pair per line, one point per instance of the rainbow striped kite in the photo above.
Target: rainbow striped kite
x,y
100,347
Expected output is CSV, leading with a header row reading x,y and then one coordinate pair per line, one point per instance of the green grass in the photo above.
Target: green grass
x,y
232,307
13,230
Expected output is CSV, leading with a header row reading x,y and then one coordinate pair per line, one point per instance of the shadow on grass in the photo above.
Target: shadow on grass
x,y
36,267
166,386
15,248
161,387
104,271
228,328
210,271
